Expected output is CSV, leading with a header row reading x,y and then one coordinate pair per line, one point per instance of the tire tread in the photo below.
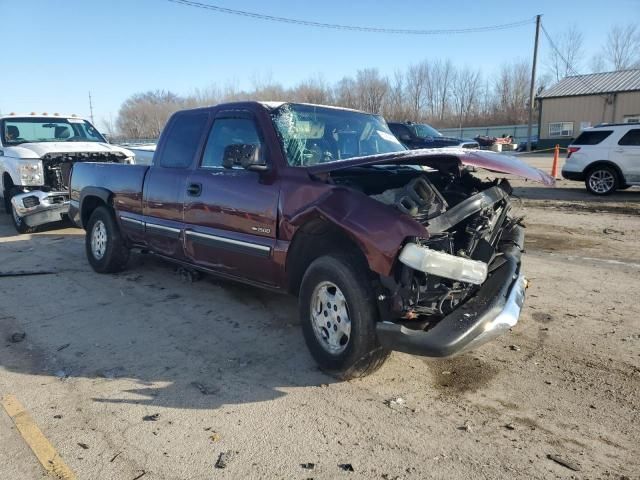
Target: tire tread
x,y
372,356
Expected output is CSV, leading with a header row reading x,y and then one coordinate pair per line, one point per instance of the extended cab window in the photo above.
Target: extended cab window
x,y
399,130
631,138
183,139
225,132
592,137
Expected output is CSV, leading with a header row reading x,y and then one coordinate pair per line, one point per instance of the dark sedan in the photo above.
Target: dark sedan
x,y
422,135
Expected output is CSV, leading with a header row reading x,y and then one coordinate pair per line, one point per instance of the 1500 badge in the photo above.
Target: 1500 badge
x,y
261,229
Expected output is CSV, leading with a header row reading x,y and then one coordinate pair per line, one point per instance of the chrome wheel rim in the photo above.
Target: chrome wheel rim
x,y
330,318
601,181
98,240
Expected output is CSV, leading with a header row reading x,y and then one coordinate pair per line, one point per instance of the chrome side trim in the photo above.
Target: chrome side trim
x,y
162,227
255,246
131,220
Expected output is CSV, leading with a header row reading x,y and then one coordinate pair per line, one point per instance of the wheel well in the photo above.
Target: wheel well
x,y
7,182
605,163
89,204
314,239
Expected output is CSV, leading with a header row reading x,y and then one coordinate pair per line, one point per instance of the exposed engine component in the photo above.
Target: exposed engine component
x,y
57,166
418,198
466,219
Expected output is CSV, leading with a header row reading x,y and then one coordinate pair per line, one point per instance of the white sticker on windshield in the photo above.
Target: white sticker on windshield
x,y
75,120
387,136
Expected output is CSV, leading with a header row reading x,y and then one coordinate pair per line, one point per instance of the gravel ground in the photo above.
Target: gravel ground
x,y
172,380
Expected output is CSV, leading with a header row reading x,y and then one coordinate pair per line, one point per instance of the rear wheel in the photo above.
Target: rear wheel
x,y
105,247
602,180
339,314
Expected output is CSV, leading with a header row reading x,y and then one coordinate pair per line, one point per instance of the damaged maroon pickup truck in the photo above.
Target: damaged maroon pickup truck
x,y
386,248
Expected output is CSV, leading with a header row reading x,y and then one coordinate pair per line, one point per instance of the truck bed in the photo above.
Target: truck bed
x,y
122,184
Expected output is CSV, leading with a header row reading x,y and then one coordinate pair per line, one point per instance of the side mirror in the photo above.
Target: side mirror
x,y
245,155
405,137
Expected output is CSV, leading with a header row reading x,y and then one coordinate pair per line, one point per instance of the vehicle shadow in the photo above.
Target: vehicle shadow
x,y
161,340
7,229
569,194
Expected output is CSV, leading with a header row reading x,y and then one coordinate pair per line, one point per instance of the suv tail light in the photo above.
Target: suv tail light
x,y
572,150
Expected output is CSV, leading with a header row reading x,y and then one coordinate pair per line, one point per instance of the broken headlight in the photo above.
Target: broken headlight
x,y
31,172
443,264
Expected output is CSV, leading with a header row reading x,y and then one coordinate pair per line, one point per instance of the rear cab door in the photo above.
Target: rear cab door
x,y
626,154
231,213
165,185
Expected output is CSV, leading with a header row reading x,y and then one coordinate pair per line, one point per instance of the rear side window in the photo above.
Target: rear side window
x,y
399,130
592,137
183,139
632,137
225,132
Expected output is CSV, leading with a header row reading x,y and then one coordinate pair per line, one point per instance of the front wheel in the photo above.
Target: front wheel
x,y
18,221
602,181
6,200
105,247
339,314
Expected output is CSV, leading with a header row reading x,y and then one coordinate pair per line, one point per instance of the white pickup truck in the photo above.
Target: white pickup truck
x,y
36,156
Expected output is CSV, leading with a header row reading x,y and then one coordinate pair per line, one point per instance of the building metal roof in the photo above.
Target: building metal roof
x,y
595,83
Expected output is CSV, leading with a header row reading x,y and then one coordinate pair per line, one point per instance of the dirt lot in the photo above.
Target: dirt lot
x,y
219,368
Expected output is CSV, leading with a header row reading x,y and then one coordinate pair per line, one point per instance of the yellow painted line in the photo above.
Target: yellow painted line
x,y
42,448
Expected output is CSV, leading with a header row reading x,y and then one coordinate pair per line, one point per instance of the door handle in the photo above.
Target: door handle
x,y
194,189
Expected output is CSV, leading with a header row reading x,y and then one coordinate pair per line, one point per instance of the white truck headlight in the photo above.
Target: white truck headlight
x,y
31,172
443,264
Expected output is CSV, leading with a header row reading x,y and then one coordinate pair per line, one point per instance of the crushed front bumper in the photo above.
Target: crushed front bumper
x,y
38,208
493,310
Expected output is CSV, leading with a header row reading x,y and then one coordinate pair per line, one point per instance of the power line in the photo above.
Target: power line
x,y
580,77
310,23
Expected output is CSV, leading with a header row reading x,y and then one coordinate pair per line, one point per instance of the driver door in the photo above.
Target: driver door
x,y
230,213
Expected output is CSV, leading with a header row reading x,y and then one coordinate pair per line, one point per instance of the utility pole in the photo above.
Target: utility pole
x,y
533,80
91,108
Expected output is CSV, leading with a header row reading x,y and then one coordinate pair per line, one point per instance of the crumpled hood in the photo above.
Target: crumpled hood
x,y
430,157
39,149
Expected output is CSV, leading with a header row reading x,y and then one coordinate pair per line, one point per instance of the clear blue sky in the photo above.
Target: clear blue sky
x,y
54,52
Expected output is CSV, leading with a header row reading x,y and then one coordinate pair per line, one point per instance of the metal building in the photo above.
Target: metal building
x,y
582,101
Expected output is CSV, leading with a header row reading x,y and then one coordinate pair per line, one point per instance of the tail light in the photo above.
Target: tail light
x,y
572,150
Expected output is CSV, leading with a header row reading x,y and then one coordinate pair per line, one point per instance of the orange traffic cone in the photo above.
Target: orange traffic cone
x,y
554,168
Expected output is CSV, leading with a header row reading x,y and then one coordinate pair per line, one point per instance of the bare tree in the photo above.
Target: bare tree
x,y
432,91
371,89
312,90
622,49
567,59
442,77
511,93
597,63
144,115
345,93
397,107
202,97
416,87
109,126
466,93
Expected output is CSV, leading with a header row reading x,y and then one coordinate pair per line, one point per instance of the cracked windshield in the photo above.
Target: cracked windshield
x,y
312,135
